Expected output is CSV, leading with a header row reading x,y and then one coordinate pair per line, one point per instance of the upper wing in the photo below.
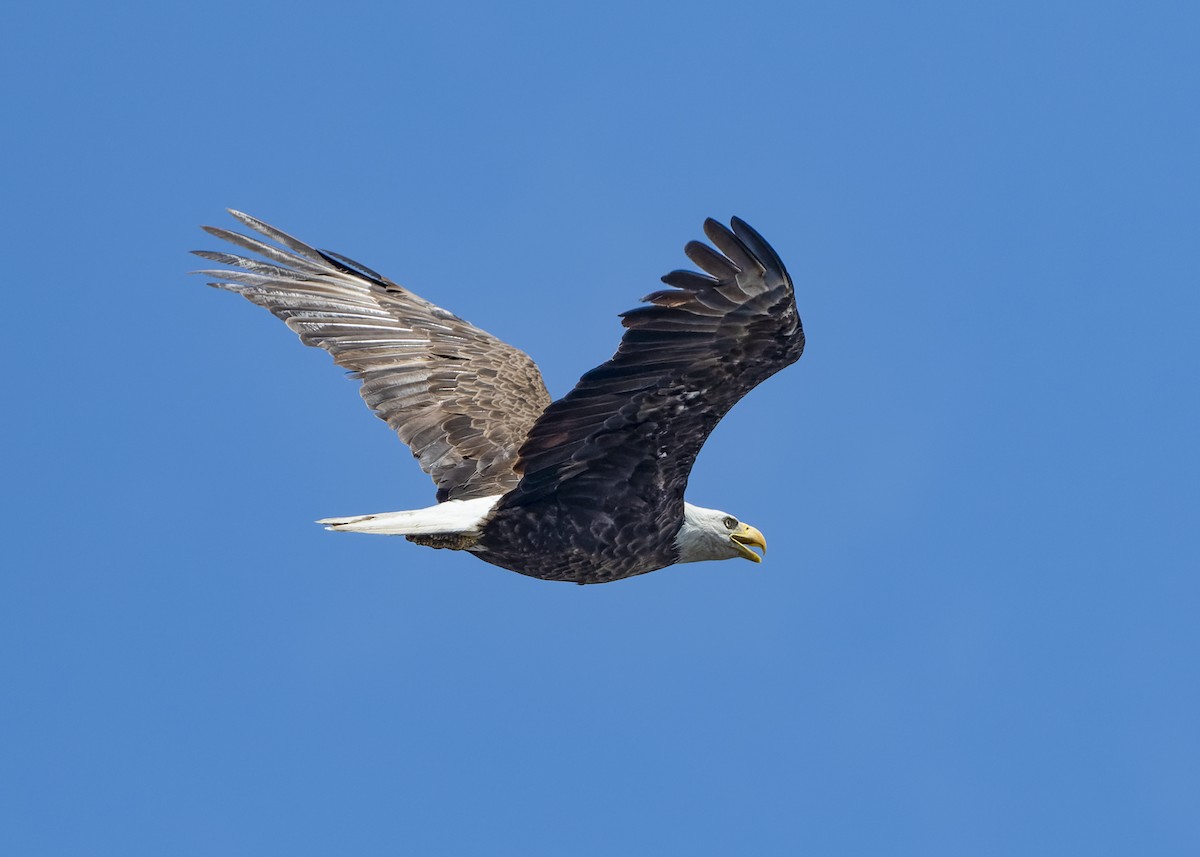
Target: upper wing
x,y
461,399
629,432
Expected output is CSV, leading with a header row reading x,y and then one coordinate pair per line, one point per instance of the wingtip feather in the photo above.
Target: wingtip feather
x,y
757,244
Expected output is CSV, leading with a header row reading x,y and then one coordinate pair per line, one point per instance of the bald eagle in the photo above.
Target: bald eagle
x,y
588,488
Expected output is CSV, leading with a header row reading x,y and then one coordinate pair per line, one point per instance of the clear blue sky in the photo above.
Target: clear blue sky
x,y
976,630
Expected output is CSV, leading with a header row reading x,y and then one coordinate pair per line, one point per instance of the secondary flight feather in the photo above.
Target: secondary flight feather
x,y
587,489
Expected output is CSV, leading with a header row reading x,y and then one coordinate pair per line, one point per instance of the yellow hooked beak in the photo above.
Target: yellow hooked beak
x,y
744,537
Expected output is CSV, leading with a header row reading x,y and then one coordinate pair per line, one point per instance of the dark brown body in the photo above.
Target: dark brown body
x,y
554,542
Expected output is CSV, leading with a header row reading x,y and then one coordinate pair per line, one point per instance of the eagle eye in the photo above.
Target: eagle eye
x,y
730,523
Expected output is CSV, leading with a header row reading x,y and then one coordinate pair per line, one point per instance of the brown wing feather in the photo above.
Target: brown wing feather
x,y
630,431
461,399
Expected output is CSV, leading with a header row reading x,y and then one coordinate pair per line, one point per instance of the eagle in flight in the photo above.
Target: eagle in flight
x,y
587,489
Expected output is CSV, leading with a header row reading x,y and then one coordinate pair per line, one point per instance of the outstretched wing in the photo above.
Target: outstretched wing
x,y
461,399
629,432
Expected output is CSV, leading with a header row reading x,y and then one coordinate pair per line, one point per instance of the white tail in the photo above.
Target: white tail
x,y
453,516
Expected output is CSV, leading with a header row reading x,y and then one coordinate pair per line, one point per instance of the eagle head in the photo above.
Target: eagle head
x,y
713,534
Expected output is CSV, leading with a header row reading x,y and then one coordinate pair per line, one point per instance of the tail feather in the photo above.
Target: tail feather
x,y
453,516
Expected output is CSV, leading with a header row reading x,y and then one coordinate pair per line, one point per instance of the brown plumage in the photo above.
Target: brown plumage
x,y
461,399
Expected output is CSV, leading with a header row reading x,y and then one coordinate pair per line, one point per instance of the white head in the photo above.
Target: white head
x,y
712,534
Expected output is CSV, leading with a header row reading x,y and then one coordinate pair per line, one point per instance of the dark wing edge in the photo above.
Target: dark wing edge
x,y
461,399
630,430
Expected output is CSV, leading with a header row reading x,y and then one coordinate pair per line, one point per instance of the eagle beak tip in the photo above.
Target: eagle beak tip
x,y
747,537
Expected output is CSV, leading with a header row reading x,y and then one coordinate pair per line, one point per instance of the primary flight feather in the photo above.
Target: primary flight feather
x,y
586,489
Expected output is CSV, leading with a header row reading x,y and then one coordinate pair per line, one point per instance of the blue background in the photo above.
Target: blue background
x,y
976,629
